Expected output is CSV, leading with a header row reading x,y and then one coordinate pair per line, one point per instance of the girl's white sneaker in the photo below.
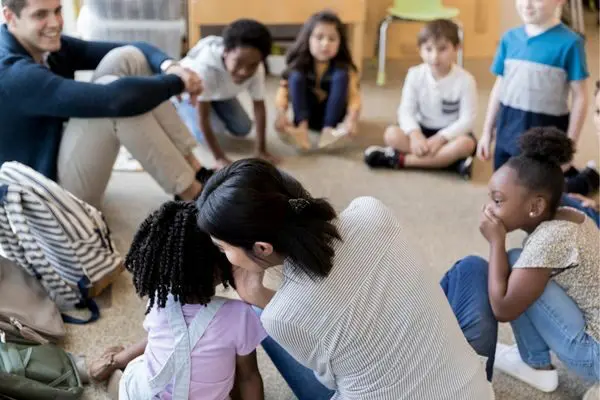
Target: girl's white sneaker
x,y
593,393
508,360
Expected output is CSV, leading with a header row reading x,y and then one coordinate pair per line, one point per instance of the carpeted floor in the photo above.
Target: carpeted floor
x,y
439,211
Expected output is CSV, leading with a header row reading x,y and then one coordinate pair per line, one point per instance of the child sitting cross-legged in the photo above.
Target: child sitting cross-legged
x,y
198,344
437,110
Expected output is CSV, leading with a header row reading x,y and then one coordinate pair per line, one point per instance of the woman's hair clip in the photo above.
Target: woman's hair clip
x,y
298,205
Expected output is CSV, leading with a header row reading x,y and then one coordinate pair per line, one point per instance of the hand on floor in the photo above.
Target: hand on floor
x,y
282,123
265,155
222,162
435,143
102,368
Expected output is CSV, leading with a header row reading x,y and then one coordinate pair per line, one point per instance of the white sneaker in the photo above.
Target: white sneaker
x,y
126,162
508,360
593,393
332,136
592,165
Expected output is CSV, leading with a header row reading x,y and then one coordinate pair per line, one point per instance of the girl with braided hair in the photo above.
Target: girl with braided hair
x,y
198,344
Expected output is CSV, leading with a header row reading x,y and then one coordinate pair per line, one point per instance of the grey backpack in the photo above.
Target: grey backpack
x,y
61,240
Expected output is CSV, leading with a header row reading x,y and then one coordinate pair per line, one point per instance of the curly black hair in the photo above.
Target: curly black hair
x,y
543,152
248,33
171,255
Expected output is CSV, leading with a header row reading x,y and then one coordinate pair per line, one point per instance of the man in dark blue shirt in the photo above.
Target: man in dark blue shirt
x,y
71,131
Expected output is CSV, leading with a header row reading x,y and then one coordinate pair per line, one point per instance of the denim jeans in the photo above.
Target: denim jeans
x,y
226,116
555,323
501,156
465,286
575,203
308,107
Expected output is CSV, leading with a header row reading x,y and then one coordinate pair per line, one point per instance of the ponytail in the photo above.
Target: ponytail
x,y
252,201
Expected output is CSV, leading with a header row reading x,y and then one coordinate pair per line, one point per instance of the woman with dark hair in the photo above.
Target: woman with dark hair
x,y
356,317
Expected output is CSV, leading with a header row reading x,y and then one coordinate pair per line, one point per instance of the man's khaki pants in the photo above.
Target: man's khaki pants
x,y
158,139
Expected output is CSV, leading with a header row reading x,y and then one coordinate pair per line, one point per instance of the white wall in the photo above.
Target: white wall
x,y
508,15
70,27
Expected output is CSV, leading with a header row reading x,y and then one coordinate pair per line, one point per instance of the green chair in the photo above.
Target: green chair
x,y
412,10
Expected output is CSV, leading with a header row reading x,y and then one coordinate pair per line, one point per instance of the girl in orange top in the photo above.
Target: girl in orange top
x,y
321,81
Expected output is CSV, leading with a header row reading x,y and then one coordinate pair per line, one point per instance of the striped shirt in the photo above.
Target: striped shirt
x,y
536,72
379,326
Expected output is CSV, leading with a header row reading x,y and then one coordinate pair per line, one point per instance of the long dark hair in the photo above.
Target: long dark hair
x,y
252,201
299,58
538,167
170,254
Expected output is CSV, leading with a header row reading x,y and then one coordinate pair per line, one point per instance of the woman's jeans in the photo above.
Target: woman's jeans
x,y
465,286
569,201
555,323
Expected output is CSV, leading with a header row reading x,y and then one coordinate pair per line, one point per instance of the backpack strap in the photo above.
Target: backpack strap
x,y
177,369
86,303
177,359
11,358
203,319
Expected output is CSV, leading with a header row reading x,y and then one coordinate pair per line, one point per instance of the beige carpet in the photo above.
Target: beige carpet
x,y
439,211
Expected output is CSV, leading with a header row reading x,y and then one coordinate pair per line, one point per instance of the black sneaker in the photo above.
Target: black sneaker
x,y
382,157
591,173
204,174
585,182
465,168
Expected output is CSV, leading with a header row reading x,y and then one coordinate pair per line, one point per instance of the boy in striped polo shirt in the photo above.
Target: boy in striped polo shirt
x,y
538,65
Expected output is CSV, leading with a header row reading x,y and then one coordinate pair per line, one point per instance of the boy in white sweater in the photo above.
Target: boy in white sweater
x,y
437,110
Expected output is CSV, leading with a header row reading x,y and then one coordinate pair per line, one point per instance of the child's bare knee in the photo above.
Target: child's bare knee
x,y
393,134
466,144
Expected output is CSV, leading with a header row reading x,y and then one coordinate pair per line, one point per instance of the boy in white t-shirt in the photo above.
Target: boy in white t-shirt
x,y
229,65
437,110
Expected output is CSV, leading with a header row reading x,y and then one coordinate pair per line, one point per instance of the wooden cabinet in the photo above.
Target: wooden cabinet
x,y
480,20
270,12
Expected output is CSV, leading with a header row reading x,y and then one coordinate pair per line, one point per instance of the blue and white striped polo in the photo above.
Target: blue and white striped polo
x,y
536,71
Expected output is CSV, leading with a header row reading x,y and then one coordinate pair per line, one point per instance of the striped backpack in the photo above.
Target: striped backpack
x,y
57,238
